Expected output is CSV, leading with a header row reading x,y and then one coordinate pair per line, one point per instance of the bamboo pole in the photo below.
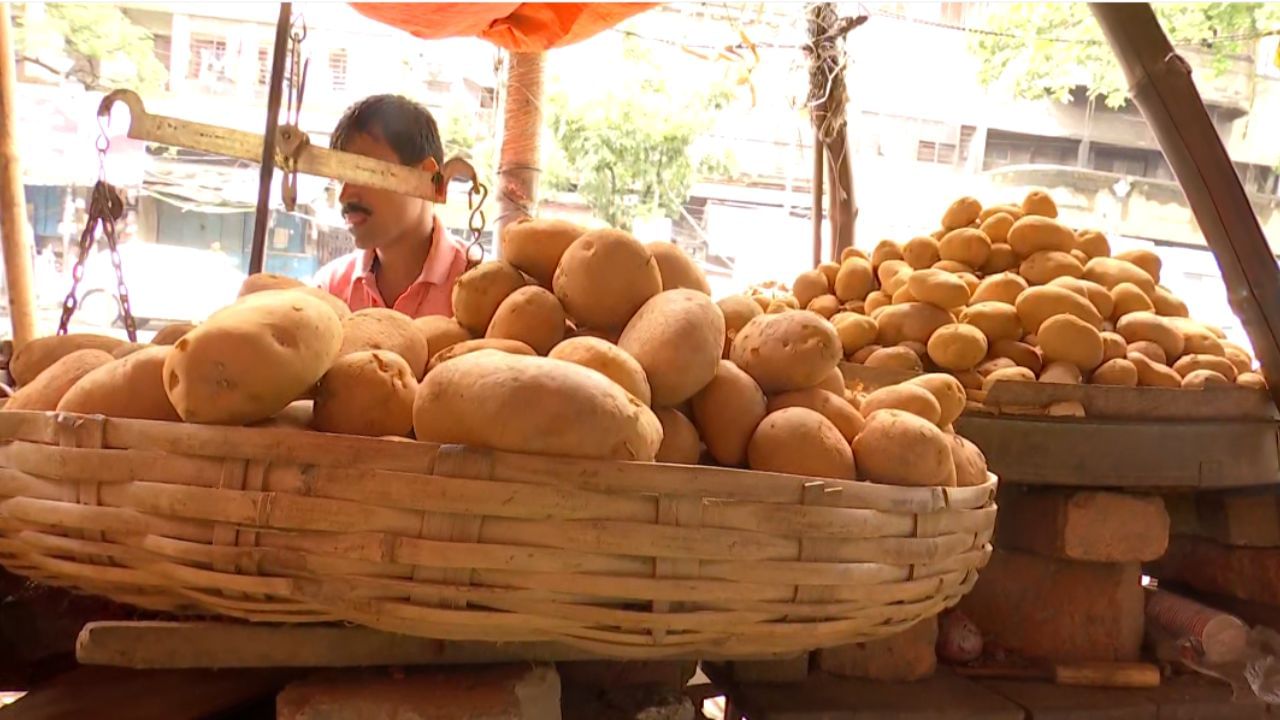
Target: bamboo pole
x,y
819,169
14,229
519,164
1162,88
262,214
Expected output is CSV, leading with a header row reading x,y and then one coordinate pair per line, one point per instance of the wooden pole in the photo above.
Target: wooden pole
x,y
827,101
520,163
819,169
14,229
262,215
1162,88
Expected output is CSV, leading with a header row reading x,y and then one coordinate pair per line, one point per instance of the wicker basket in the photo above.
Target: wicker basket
x,y
627,560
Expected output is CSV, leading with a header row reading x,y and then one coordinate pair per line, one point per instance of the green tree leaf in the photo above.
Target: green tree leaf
x,y
93,44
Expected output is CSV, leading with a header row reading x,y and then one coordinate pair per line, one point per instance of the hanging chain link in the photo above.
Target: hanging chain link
x,y
293,140
476,222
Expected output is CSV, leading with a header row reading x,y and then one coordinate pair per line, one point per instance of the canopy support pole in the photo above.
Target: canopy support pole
x,y
262,215
1162,88
828,98
519,164
14,230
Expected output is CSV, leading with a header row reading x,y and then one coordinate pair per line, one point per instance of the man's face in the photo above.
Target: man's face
x,y
378,218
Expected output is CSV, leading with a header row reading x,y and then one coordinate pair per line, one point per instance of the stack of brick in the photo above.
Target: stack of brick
x,y
1065,580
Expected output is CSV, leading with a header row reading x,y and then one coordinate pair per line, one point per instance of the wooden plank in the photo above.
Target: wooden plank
x,y
1145,403
1045,701
92,692
1078,452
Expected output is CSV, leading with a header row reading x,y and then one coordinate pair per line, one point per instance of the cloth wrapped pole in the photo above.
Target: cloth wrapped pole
x,y
517,27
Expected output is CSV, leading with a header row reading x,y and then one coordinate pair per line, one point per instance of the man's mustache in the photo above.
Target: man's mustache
x,y
353,207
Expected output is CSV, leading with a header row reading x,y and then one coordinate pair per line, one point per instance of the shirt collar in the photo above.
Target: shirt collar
x,y
439,259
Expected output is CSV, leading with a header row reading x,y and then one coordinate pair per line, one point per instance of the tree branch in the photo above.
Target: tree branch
x,y
42,64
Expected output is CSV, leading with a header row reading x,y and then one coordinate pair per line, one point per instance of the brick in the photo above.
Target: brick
x,y
1057,609
509,692
1208,566
1183,515
786,670
1246,519
603,673
1093,526
907,656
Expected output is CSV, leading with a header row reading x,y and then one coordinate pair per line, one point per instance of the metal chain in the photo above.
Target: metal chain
x,y
476,222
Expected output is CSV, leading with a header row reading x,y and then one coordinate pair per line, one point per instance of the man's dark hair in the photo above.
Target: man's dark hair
x,y
405,125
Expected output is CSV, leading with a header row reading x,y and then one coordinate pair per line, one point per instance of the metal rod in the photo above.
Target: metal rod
x,y
13,206
262,216
1162,88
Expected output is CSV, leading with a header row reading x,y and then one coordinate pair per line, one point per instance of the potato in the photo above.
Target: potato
x,y
1153,374
824,305
970,379
966,245
1239,358
970,281
128,387
480,290
1117,371
251,359
915,321
514,347
1168,304
861,356
32,358
854,280
738,311
851,252
1038,304
962,213
1002,287
385,329
1110,272
1038,202
1067,338
1091,291
1002,258
1020,353
677,269
1188,364
897,357
898,448
876,300
918,348
296,416
1013,211
994,364
1080,256
1007,374
1129,298
1151,350
763,301
830,405
1149,326
947,390
996,228
546,407
170,334
127,349
1093,243
787,352
440,333
921,252
957,346
1203,378
1148,261
971,464
370,393
888,270
678,338
830,271
1113,346
907,397
604,278
1034,233
800,441
885,250
531,315
48,389
1202,344
1251,380
833,382
1042,267
855,331
809,285
680,442
938,288
1062,372
727,412
609,360
535,245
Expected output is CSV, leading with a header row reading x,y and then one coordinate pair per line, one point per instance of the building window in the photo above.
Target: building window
x,y
935,152
208,59
338,69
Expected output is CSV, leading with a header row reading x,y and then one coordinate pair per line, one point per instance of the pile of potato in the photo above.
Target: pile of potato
x,y
575,344
1009,293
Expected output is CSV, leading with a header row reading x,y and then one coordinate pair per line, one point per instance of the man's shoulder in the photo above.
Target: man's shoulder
x,y
340,270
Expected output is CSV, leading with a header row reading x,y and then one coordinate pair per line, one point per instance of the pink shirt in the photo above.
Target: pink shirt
x,y
350,278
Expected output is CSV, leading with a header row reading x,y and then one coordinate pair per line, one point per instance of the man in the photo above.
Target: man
x,y
404,259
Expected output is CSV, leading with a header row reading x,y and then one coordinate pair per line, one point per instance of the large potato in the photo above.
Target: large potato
x,y
1035,233
1013,211
535,245
1168,304
1149,326
1093,243
727,412
885,250
947,390
1001,258
1007,374
996,320
914,321
898,357
370,392
938,288
678,338
1199,379
534,405
385,329
1040,303
1151,350
531,315
1038,202
604,278
809,285
800,441
1110,272
1069,339
997,227
466,347
259,282
47,390
824,305
855,331
1002,287
971,464
480,290
831,406
608,359
957,347
1188,364
962,213
791,351
1148,261
1062,372
1117,371
1113,346
898,448
1154,374
440,333
907,397
966,245
677,269
1129,298
32,358
1020,353
1091,291
854,280
251,359
921,252
1042,267
170,334
738,311
131,387
1251,380
680,442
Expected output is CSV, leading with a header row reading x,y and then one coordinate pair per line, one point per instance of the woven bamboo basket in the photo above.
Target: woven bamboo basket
x,y
627,560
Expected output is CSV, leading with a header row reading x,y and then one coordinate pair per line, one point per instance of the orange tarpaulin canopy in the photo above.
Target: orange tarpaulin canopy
x,y
517,27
